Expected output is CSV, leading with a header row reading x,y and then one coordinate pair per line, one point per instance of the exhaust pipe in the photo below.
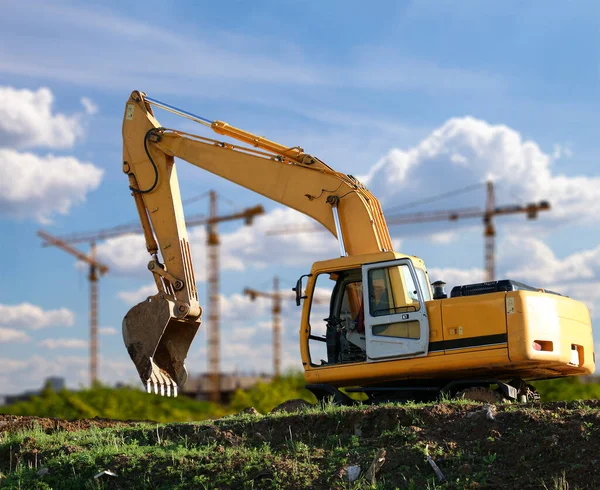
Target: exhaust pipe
x,y
158,340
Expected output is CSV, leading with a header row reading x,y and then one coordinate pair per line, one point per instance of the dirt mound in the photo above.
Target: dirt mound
x,y
16,423
509,446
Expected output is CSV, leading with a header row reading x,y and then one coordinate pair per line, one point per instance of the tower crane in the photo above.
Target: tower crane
x,y
531,209
96,268
135,228
214,309
94,236
276,295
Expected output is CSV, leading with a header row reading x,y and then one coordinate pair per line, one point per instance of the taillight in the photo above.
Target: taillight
x,y
545,345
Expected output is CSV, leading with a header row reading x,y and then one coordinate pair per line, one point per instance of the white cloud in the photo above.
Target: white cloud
x,y
242,334
126,254
27,120
239,308
443,237
64,343
38,187
12,335
107,331
234,308
249,246
455,277
532,259
466,151
8,366
89,106
30,373
18,375
137,295
587,292
32,317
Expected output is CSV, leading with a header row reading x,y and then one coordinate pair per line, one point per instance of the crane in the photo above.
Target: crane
x,y
96,268
135,228
93,236
276,296
531,209
214,309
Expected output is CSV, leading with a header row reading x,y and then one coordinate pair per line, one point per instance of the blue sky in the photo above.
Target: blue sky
x,y
418,98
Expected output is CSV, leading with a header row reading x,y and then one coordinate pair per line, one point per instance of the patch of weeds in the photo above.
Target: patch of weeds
x,y
587,429
559,483
415,416
490,458
400,432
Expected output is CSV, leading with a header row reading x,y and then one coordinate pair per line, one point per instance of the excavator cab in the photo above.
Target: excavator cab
x,y
375,311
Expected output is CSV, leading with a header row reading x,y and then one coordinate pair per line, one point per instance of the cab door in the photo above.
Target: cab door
x,y
396,324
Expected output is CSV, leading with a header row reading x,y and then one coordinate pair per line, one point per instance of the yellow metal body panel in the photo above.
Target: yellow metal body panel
x,y
483,336
472,316
555,321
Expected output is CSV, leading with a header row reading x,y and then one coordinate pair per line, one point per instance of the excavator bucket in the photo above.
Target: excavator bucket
x,y
158,342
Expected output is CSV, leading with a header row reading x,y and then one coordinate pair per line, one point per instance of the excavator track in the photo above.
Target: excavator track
x,y
480,394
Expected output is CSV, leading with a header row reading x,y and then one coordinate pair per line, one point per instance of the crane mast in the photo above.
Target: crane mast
x,y
276,298
96,268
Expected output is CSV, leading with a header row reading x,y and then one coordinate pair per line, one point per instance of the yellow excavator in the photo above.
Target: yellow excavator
x,y
386,332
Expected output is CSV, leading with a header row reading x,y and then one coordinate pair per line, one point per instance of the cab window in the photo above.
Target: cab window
x,y
351,301
392,290
320,310
424,283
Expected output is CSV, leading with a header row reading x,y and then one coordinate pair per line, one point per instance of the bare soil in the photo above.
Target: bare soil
x,y
542,445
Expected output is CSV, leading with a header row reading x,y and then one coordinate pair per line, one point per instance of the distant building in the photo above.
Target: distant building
x,y
198,387
54,382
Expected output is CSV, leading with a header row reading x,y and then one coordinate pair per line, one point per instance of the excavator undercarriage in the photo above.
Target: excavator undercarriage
x,y
481,390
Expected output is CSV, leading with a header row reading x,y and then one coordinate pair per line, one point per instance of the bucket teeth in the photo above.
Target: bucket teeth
x,y
158,380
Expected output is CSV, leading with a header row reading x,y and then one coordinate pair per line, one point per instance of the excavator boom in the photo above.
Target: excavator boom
x,y
158,332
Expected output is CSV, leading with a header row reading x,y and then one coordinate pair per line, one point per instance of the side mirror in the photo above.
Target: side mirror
x,y
298,289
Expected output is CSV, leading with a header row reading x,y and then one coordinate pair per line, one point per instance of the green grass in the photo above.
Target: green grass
x,y
134,404
305,449
310,448
116,404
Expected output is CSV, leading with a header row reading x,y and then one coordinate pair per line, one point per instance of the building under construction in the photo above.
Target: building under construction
x,y
201,387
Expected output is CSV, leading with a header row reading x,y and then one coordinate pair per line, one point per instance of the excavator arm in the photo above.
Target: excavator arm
x,y
159,331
